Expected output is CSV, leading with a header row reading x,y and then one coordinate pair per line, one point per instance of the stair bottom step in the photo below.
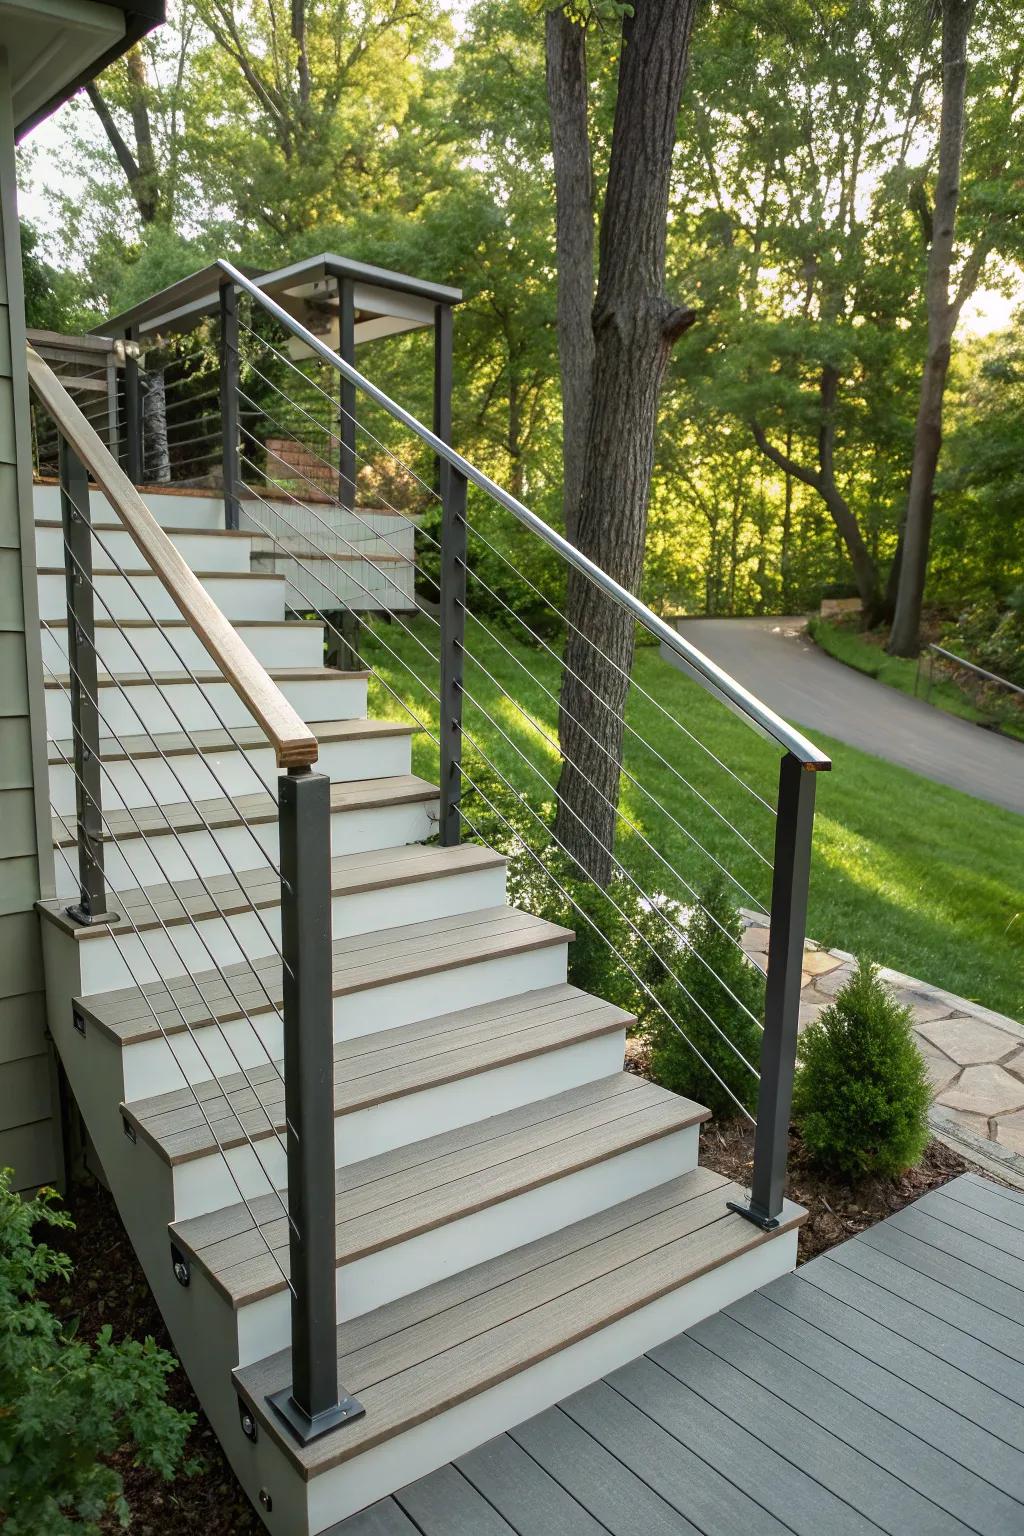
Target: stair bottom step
x,y
448,1367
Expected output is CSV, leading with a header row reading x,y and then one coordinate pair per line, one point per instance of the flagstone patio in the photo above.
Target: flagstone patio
x,y
975,1058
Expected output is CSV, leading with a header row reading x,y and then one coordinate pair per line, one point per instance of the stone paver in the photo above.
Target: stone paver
x,y
1009,1132
968,1041
974,1056
986,1090
942,1072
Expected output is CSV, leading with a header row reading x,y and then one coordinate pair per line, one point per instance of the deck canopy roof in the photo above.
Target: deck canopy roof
x,y
56,46
386,303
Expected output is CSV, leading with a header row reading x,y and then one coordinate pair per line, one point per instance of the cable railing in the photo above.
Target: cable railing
x,y
125,834
514,697
625,804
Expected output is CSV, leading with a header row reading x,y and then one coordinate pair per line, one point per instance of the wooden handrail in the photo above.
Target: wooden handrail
x,y
294,743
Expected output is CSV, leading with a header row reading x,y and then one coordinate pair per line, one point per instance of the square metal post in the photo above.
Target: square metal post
x,y
82,687
347,394
229,402
134,466
793,829
453,629
313,1404
442,382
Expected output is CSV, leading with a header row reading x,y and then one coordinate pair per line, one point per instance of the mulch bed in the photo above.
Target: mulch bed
x,y
836,1211
109,1286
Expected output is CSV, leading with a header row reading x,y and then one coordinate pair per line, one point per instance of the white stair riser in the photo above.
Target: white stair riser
x,y
161,1065
145,647
193,777
209,1182
129,959
113,547
265,1326
143,596
363,1480
135,861
186,706
170,511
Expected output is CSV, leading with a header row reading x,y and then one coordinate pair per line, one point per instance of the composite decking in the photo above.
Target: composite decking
x,y
880,1388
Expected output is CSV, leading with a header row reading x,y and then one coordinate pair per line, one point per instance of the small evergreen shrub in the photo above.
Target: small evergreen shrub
x,y
861,1094
717,984
65,1404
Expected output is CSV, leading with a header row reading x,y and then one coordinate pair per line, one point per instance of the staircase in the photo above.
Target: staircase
x,y
514,1215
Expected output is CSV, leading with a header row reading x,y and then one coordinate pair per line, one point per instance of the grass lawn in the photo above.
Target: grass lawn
x,y
914,874
866,654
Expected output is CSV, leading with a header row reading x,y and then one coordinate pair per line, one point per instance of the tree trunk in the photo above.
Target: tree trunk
x,y
566,53
635,326
942,316
786,553
157,468
823,480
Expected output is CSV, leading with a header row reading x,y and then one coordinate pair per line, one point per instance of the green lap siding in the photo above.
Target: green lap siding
x,y
29,1125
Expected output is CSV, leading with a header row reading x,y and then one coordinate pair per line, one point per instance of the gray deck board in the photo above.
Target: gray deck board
x,y
444,1504
786,1497
681,1476
521,1490
879,1389
991,1384
938,1317
927,1404
607,1489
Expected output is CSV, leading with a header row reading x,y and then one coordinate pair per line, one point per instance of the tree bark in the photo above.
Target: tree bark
x,y
905,639
635,326
566,57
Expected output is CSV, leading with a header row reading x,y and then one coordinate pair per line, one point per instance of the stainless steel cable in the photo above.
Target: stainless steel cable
x,y
187,1027
619,814
164,812
421,724
637,931
143,885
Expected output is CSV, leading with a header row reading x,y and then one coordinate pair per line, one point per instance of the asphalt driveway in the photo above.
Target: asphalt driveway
x,y
777,662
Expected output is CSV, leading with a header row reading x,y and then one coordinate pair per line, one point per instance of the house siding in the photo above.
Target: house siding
x,y
29,1121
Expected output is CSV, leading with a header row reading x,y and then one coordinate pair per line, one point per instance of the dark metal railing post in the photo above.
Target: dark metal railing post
x,y
347,394
453,628
229,401
82,687
793,828
442,383
313,1403
133,446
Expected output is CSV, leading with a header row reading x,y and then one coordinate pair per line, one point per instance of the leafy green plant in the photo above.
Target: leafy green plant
x,y
861,1095
66,1406
710,1012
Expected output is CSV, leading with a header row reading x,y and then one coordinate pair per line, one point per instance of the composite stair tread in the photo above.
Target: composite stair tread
x,y
184,623
172,532
225,895
128,746
427,1352
360,962
372,1069
163,678
397,1195
131,572
196,816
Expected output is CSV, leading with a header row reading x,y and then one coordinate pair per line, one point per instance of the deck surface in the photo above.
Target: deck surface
x,y
881,1388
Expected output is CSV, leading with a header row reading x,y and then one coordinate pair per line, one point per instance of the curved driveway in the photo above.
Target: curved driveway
x,y
777,662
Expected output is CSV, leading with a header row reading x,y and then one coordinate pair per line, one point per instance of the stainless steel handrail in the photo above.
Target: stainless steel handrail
x,y
700,667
